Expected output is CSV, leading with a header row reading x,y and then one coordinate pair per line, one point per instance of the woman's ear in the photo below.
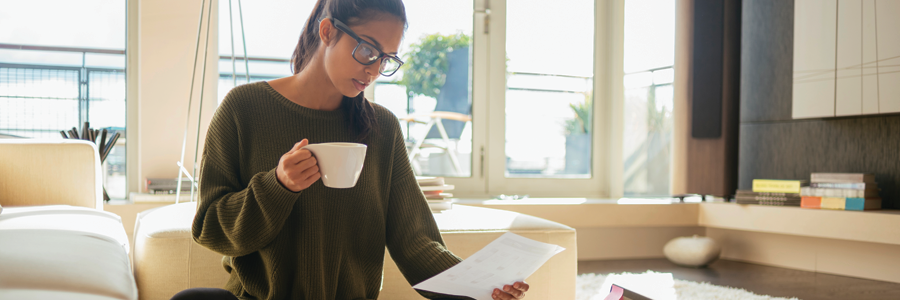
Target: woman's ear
x,y
326,31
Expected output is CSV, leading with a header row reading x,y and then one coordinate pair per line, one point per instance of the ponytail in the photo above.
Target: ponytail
x,y
359,111
309,40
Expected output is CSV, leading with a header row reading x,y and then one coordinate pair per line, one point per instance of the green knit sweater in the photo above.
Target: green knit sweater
x,y
319,243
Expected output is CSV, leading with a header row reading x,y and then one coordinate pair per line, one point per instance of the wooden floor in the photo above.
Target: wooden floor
x,y
763,280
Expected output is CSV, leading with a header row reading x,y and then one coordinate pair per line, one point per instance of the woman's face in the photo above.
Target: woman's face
x,y
349,76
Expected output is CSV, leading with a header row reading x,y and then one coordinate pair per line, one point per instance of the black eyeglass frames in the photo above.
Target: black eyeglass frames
x,y
367,54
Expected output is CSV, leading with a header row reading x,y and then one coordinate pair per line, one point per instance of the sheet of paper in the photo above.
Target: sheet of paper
x,y
507,259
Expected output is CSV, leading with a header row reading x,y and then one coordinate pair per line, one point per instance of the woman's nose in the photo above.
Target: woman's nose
x,y
373,70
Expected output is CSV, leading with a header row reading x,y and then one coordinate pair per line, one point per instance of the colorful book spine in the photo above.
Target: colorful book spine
x,y
829,192
811,202
845,185
777,186
853,203
833,203
752,193
771,203
841,177
766,198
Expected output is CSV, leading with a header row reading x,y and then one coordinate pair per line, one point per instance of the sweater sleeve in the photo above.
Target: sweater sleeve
x,y
235,218
413,238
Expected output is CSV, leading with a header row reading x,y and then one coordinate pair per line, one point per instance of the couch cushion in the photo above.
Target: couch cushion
x,y
26,294
65,249
66,217
63,260
166,259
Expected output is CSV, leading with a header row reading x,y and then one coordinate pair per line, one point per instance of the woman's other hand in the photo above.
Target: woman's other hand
x,y
297,169
509,292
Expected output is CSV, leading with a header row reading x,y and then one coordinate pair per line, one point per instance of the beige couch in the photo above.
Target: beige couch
x,y
166,260
57,242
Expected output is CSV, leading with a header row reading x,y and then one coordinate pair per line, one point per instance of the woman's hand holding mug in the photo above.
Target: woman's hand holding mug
x,y
297,169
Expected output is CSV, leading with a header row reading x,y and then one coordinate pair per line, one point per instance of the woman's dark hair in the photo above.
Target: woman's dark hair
x,y
360,112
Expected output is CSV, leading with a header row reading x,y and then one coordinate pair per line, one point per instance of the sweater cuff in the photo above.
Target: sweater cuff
x,y
277,191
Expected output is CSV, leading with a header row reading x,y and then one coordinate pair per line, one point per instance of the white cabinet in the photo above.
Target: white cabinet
x,y
815,23
887,38
846,58
848,92
870,103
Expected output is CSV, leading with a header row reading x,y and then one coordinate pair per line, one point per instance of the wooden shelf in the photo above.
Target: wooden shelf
x,y
878,226
594,213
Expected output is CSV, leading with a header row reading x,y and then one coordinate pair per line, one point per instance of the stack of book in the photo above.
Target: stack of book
x,y
841,191
436,193
772,192
158,186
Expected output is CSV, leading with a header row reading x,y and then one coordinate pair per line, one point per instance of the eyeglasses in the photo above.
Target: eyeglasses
x,y
367,54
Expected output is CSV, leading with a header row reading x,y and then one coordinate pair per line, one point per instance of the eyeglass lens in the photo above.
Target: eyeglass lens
x,y
365,54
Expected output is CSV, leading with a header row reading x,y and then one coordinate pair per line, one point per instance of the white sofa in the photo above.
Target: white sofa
x,y
166,260
57,242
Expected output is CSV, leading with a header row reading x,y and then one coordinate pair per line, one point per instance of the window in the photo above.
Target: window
x,y
500,97
550,69
62,67
648,66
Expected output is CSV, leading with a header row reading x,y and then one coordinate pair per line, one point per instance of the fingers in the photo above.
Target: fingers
x,y
308,173
522,286
300,144
298,168
302,171
501,295
296,154
509,292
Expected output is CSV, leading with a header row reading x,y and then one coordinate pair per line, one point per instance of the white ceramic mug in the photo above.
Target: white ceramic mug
x,y
339,163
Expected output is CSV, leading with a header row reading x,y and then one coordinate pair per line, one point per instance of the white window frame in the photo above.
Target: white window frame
x,y
488,110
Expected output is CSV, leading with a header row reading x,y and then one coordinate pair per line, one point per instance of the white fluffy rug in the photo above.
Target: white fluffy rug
x,y
659,286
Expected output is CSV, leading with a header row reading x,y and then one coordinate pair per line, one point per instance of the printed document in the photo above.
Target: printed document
x,y
506,260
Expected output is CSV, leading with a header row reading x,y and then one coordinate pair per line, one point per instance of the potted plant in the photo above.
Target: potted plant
x,y
437,66
427,63
578,138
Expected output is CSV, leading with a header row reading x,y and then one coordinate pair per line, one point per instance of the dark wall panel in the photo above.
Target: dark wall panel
x,y
774,146
767,36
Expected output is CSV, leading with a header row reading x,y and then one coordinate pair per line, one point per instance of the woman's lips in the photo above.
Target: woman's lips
x,y
359,85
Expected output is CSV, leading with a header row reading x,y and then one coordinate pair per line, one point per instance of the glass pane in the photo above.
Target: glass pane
x,y
549,89
432,92
61,86
649,56
268,51
64,23
649,34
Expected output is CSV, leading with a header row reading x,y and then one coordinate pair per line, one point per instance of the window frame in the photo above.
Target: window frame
x,y
489,94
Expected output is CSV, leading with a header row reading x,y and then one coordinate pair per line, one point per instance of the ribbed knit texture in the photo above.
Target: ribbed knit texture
x,y
319,243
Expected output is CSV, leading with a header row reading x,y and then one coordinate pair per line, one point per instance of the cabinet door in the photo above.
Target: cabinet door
x,y
869,59
887,37
848,93
815,34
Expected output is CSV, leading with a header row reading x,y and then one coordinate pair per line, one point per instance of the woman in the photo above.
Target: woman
x,y
283,233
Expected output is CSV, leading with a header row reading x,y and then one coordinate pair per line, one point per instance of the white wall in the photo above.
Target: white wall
x,y
161,43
